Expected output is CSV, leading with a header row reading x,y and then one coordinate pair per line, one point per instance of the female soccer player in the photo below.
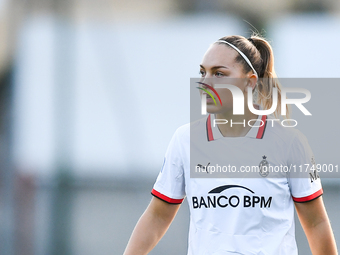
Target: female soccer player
x,y
252,215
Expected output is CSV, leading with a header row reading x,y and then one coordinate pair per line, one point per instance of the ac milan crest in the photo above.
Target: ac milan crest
x,y
264,167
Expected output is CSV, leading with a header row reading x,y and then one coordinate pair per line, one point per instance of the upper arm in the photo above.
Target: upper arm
x,y
151,227
315,223
163,210
311,213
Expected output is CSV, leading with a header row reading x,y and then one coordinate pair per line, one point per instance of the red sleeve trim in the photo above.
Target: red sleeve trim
x,y
308,198
165,198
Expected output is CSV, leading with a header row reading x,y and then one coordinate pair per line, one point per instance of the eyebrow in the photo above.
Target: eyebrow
x,y
215,67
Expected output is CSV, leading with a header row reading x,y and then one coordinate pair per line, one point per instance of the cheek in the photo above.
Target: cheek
x,y
241,84
226,97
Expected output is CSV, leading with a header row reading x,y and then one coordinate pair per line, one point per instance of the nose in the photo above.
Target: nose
x,y
206,86
207,79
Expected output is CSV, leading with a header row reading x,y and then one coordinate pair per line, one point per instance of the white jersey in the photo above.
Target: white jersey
x,y
239,215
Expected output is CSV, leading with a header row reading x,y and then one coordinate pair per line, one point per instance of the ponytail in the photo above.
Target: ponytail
x,y
267,77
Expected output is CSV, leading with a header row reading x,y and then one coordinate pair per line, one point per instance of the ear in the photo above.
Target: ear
x,y
252,80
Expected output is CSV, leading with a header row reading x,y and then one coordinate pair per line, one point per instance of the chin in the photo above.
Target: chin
x,y
213,109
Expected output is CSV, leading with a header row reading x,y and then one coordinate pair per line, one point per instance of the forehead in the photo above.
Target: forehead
x,y
219,55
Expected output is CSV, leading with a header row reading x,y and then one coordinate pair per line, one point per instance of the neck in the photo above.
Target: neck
x,y
237,125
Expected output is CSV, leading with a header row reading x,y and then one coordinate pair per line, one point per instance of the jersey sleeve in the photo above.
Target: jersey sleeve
x,y
170,186
304,180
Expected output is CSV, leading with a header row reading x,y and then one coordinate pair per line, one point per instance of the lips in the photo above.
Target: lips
x,y
209,98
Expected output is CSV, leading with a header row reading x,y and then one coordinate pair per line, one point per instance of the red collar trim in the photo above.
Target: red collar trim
x,y
261,130
209,130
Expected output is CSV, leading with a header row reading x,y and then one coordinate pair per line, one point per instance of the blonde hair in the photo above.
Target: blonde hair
x,y
260,53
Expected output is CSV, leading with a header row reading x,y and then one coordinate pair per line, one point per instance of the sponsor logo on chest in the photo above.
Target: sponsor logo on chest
x,y
215,199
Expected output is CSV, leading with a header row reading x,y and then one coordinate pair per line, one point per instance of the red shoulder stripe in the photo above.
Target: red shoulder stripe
x,y
209,130
260,133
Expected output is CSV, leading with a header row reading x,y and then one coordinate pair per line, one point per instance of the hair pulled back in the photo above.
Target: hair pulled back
x,y
260,53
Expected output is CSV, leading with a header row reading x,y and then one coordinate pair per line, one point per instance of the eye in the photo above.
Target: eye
x,y
202,73
219,74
